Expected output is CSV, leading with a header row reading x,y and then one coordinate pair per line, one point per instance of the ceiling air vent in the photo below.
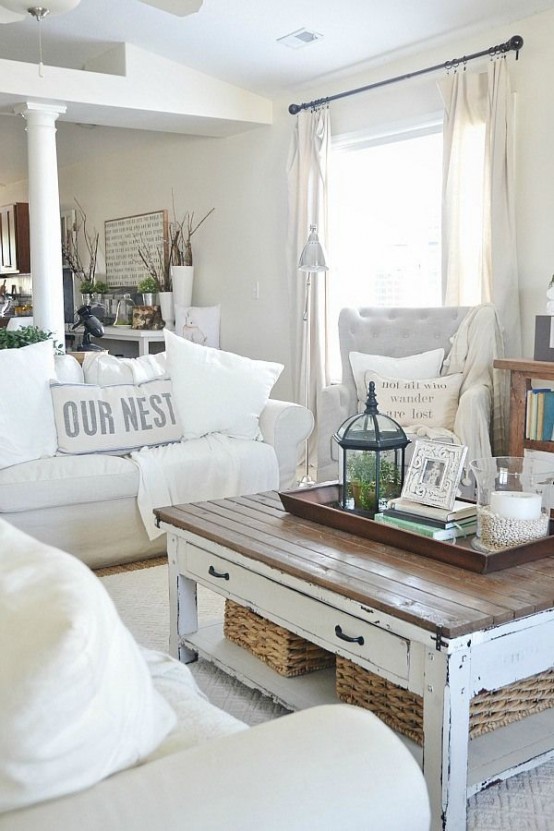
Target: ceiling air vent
x,y
302,37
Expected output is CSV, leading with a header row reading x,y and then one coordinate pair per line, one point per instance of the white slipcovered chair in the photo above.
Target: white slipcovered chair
x,y
470,337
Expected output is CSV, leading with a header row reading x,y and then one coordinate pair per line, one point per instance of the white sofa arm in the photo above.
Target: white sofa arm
x,y
334,406
330,767
285,426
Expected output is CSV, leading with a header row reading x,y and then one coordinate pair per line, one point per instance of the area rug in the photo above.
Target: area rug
x,y
522,803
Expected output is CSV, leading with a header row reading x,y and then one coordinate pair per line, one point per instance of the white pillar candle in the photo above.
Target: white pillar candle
x,y
516,504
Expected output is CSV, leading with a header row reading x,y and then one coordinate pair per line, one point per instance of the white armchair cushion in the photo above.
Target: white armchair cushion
x,y
103,368
432,402
77,701
217,391
423,365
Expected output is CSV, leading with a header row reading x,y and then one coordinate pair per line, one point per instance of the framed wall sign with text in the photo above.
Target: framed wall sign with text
x,y
123,237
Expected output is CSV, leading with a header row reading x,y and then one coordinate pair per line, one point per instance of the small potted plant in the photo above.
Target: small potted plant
x,y
148,287
72,256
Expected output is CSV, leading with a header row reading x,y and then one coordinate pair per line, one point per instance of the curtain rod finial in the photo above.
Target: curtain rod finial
x,y
294,109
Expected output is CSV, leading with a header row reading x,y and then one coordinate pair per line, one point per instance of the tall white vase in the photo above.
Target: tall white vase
x,y
182,278
167,308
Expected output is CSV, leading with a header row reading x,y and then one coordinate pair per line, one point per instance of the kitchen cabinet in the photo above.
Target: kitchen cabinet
x,y
15,253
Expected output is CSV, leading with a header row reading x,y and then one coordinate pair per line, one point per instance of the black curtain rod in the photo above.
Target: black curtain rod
x,y
513,45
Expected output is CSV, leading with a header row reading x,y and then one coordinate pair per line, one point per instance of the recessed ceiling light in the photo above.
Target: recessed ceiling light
x,y
300,38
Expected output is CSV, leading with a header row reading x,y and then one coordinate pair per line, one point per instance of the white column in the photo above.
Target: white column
x,y
44,216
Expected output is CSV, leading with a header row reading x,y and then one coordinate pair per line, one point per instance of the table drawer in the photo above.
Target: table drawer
x,y
333,629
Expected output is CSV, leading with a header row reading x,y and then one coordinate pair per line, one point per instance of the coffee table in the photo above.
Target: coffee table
x,y
434,629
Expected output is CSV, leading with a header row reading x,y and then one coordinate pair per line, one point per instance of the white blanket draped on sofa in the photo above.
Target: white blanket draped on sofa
x,y
217,467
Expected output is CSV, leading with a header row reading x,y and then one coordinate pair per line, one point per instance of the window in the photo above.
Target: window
x,y
385,225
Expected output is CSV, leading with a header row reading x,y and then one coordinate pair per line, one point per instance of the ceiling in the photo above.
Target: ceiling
x,y
236,41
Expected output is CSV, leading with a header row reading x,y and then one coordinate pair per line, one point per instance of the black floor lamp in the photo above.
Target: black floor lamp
x,y
311,261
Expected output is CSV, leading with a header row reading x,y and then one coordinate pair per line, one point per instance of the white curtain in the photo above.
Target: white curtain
x,y
478,239
308,192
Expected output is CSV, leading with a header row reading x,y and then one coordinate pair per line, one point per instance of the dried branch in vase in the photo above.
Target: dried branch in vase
x,y
72,255
181,235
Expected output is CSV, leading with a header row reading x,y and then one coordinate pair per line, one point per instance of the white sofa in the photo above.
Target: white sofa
x,y
87,504
77,708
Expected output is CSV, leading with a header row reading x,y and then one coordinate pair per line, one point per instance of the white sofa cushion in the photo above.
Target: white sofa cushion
x,y
26,416
216,391
114,418
103,368
67,480
423,365
76,697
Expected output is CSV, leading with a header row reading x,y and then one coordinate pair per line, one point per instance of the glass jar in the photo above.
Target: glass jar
x,y
124,313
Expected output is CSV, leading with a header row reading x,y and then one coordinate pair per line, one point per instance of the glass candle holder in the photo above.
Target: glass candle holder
x,y
514,495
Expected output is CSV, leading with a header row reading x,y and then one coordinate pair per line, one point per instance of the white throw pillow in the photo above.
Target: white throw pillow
x,y
77,701
200,324
115,418
428,401
26,416
422,365
216,391
103,368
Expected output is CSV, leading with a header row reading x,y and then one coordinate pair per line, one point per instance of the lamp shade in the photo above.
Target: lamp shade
x,y
312,257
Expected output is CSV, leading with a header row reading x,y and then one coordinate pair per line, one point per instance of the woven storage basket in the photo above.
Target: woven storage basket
x,y
286,653
403,710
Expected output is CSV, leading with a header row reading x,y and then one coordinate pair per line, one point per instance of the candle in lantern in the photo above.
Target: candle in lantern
x,y
516,504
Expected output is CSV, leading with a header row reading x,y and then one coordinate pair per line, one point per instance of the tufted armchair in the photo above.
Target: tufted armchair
x,y
399,332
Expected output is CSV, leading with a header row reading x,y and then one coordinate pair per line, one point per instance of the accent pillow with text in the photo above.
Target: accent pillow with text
x,y
427,401
423,365
115,418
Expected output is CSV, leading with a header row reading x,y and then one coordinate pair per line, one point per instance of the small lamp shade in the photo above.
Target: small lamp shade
x,y
372,446
312,257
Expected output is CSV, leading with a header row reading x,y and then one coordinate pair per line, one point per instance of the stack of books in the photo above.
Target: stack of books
x,y
437,523
539,414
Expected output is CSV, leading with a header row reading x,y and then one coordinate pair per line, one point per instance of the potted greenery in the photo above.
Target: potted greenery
x,y
16,338
148,287
362,477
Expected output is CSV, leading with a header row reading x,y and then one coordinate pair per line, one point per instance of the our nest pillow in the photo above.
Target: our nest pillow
x,y
217,391
77,702
422,365
26,415
431,402
115,418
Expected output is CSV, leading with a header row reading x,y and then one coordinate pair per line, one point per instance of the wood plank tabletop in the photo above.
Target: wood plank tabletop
x,y
429,593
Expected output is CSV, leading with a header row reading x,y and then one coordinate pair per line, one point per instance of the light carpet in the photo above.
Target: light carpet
x,y
522,803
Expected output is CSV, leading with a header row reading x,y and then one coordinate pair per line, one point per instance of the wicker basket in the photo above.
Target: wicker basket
x,y
286,653
403,710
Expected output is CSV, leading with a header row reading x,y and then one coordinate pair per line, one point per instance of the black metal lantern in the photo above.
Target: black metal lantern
x,y
373,446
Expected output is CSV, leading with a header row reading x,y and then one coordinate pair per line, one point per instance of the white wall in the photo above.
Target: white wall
x,y
244,177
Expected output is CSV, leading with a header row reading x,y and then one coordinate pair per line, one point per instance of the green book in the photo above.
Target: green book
x,y
460,529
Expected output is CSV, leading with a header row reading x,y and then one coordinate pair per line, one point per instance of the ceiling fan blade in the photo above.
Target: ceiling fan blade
x,y
181,8
6,16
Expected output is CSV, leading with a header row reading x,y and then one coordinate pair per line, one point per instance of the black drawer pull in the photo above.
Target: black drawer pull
x,y
340,634
223,575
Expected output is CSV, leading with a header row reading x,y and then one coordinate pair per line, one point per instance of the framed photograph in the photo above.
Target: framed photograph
x,y
434,474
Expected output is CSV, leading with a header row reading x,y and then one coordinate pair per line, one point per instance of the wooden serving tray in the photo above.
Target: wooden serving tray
x,y
320,504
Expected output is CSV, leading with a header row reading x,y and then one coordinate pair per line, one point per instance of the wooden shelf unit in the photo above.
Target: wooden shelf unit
x,y
522,371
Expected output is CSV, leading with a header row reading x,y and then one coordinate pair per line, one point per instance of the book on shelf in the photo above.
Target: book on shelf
x,y
457,529
459,510
539,414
